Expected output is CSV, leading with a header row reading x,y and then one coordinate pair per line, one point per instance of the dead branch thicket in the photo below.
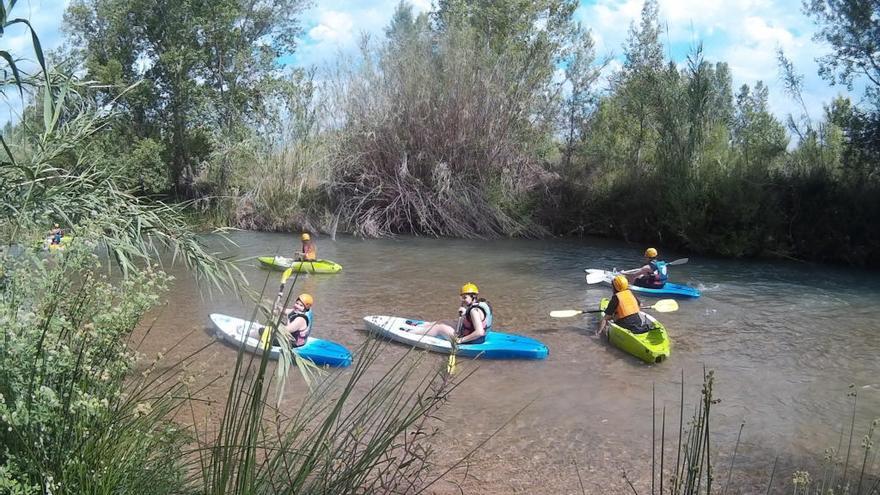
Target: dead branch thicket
x,y
437,139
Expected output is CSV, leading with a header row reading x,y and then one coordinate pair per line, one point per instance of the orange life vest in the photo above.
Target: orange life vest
x,y
626,305
309,251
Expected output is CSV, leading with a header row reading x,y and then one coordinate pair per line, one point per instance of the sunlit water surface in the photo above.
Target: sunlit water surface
x,y
785,340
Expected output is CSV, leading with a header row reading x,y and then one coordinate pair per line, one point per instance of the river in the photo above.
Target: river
x,y
785,340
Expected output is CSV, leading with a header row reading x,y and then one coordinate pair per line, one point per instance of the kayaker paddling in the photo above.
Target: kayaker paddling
x,y
296,322
652,275
309,251
476,319
624,309
55,235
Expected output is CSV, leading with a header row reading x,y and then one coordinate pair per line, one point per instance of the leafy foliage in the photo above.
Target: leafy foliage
x,y
210,71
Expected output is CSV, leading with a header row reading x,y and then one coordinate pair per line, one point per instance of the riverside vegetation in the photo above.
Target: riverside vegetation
x,y
82,412
481,119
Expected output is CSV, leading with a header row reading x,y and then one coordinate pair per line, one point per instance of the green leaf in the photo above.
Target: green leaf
x,y
5,55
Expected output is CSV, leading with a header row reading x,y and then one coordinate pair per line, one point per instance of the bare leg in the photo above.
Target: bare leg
x,y
435,329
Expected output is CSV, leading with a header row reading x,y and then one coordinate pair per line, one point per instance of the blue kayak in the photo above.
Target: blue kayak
x,y
498,345
668,290
319,351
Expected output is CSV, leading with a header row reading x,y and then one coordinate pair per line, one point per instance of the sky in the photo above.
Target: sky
x,y
743,33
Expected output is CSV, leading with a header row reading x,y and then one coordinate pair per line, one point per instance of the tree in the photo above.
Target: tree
x,y
756,132
210,69
852,28
581,73
637,82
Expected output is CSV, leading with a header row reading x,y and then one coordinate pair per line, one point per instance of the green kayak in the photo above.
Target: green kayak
x,y
317,266
650,347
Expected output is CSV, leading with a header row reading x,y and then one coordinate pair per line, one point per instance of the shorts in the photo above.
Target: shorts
x,y
648,283
636,323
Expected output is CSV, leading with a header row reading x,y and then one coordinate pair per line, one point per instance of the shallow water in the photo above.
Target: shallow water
x,y
785,340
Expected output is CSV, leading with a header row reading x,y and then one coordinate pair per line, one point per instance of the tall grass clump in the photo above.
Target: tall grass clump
x,y
279,178
73,417
445,125
346,436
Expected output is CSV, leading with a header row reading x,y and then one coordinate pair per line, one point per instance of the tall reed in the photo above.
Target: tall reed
x,y
694,470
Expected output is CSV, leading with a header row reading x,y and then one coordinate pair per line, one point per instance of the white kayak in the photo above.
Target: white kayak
x,y
498,345
321,352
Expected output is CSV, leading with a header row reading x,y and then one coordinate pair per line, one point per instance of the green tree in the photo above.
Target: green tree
x,y
636,84
852,28
210,69
757,135
581,74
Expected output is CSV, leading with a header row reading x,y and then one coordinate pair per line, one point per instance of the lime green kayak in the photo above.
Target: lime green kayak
x,y
65,240
650,347
317,266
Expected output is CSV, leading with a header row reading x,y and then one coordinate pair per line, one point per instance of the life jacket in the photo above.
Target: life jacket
x,y
659,272
467,326
309,251
627,305
298,339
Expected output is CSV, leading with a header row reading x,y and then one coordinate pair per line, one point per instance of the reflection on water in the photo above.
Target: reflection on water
x,y
785,340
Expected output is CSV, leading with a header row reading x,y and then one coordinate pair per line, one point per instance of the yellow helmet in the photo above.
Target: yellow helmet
x,y
307,300
306,237
650,253
620,283
469,288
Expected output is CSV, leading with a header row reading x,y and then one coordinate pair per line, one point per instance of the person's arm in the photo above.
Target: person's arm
x,y
638,272
608,315
603,324
477,323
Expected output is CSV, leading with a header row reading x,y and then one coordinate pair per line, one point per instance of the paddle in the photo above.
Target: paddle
x,y
450,366
595,276
661,306
265,338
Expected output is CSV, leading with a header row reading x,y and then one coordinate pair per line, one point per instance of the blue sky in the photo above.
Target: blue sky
x,y
744,33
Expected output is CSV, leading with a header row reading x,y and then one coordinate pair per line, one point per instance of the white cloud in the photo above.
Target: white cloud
x,y
334,27
757,30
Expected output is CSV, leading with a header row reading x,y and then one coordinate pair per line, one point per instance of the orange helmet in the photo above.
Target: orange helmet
x,y
469,288
307,300
306,236
650,253
620,283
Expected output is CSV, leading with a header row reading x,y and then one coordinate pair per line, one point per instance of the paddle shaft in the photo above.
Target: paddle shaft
x,y
450,366
284,277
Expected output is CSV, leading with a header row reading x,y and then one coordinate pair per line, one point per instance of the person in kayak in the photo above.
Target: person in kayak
x,y
652,275
309,251
476,319
55,235
624,309
296,322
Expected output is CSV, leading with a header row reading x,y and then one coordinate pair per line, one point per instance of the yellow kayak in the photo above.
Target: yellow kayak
x,y
651,347
65,240
282,263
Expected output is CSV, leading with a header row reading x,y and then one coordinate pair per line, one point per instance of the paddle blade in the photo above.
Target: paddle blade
x,y
595,277
679,261
565,313
286,275
665,305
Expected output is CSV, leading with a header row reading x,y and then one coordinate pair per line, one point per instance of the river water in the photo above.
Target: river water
x,y
785,339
